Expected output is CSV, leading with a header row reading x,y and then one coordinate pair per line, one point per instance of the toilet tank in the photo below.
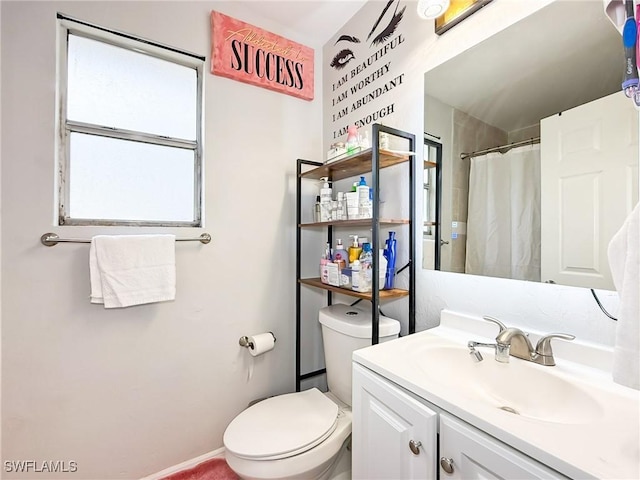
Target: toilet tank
x,y
345,329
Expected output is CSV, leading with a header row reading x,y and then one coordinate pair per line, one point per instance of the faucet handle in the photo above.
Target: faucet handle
x,y
496,321
543,347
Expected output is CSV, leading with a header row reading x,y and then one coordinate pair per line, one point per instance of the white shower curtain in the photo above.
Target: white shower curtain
x,y
503,227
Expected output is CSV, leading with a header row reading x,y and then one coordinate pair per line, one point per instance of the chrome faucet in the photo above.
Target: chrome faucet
x,y
514,342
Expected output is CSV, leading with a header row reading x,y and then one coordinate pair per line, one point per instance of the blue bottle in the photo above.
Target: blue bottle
x,y
390,254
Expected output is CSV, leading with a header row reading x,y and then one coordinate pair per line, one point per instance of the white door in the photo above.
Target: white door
x,y
466,453
589,172
387,424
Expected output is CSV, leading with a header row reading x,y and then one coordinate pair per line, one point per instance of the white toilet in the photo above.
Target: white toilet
x,y
304,435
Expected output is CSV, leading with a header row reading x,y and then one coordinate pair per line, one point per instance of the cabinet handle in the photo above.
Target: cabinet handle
x,y
446,464
415,447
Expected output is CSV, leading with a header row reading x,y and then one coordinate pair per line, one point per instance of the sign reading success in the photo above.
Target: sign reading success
x,y
252,55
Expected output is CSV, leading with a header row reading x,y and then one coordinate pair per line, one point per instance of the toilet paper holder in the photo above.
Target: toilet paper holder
x,y
245,342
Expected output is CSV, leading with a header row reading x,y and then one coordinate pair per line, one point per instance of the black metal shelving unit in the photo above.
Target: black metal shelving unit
x,y
370,160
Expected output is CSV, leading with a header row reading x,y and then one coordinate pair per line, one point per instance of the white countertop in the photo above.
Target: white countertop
x,y
606,446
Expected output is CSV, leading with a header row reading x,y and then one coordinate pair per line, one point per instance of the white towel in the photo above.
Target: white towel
x,y
624,262
130,270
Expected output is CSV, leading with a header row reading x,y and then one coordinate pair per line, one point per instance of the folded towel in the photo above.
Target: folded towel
x,y
624,262
130,270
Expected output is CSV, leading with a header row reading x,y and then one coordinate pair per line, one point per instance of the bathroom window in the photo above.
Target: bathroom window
x,y
130,130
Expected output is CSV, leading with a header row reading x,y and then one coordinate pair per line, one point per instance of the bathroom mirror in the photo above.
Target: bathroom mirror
x,y
548,90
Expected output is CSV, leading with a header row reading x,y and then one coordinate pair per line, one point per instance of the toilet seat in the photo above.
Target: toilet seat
x,y
282,426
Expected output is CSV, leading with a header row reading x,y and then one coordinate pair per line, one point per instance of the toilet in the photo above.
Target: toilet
x,y
304,435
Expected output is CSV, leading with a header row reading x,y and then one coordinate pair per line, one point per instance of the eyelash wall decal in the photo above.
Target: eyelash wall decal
x,y
387,32
341,59
348,38
384,10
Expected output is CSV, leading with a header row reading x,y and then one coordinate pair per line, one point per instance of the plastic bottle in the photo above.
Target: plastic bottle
x,y
342,207
366,268
324,273
370,204
363,198
325,200
366,256
352,139
390,255
324,259
317,217
340,255
356,278
383,141
354,250
365,143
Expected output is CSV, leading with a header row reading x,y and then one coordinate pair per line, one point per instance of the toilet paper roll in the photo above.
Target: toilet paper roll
x,y
261,343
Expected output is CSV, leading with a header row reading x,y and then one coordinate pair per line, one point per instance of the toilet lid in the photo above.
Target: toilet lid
x,y
282,426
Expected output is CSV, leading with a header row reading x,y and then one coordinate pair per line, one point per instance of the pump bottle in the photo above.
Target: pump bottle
x,y
340,255
363,198
325,200
354,249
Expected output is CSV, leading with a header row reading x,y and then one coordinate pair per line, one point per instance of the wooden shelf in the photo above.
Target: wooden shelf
x,y
428,164
354,165
384,294
361,222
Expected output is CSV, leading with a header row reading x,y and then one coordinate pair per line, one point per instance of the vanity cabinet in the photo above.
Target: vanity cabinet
x,y
387,418
471,454
394,435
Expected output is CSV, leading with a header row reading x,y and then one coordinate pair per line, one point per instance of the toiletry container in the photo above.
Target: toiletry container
x,y
363,198
325,200
342,207
340,255
390,255
383,141
366,269
352,139
356,277
317,213
353,212
304,435
354,249
324,260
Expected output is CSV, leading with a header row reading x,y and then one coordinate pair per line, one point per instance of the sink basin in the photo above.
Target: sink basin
x,y
516,388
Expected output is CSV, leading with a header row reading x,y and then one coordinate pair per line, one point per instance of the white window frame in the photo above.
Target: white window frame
x,y
64,127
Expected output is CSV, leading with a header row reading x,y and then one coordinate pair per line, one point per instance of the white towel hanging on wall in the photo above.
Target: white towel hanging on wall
x,y
128,270
624,260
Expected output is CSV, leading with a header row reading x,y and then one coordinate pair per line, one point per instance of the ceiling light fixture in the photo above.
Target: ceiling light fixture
x,y
429,9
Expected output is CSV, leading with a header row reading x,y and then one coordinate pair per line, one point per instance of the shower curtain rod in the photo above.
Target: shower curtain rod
x,y
508,146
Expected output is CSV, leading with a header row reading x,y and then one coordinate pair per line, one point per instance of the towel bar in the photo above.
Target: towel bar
x,y
51,239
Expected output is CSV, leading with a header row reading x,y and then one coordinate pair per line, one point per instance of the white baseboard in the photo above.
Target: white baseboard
x,y
186,465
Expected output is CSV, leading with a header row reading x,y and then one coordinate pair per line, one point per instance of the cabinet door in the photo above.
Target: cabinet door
x,y
385,421
476,455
